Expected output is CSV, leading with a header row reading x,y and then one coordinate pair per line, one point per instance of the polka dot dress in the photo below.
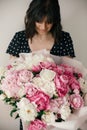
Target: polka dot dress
x,y
65,47
19,44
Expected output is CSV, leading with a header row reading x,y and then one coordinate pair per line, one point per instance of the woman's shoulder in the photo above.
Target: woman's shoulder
x,y
64,47
66,38
20,36
65,34
21,33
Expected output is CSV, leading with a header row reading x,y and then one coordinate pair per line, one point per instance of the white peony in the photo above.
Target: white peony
x,y
48,117
38,82
49,88
65,112
27,111
45,86
47,75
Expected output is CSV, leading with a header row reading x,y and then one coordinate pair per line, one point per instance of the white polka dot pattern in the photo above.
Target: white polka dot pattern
x,y
19,44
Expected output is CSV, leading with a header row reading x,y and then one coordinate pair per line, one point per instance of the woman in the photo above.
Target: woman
x,y
43,30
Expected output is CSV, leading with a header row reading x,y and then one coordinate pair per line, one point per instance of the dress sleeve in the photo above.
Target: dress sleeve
x,y
14,46
68,46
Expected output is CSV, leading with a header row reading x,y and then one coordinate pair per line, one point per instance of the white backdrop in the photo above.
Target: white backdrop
x,y
12,12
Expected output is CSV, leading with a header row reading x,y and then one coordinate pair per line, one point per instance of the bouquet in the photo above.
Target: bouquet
x,y
41,91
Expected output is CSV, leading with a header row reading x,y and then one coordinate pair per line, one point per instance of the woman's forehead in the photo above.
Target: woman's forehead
x,y
44,19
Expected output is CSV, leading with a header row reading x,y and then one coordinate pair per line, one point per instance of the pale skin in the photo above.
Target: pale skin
x,y
43,39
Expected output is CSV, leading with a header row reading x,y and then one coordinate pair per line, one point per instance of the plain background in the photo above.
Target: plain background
x,y
12,12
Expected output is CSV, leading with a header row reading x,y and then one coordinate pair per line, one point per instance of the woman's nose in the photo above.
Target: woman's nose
x,y
43,26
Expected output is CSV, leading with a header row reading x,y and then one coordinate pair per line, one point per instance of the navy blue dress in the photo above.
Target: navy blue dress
x,y
19,44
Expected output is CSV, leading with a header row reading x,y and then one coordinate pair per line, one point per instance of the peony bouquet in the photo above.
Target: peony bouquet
x,y
41,91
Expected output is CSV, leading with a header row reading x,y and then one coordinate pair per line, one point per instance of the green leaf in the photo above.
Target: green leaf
x,y
54,96
17,116
2,77
13,111
7,99
1,92
40,114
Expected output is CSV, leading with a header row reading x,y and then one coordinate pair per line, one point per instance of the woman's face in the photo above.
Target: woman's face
x,y
43,27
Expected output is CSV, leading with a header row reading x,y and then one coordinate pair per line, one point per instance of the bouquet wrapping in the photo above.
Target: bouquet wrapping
x,y
45,91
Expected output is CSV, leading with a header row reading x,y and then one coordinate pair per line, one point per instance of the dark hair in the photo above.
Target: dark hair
x,y
37,10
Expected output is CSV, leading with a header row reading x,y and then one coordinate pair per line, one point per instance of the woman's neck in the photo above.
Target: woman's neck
x,y
44,36
39,42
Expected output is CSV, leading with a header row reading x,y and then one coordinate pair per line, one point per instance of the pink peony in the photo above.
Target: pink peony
x,y
41,99
25,76
36,68
68,70
51,90
59,70
74,83
47,65
61,86
30,90
64,79
37,125
9,84
55,104
76,101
